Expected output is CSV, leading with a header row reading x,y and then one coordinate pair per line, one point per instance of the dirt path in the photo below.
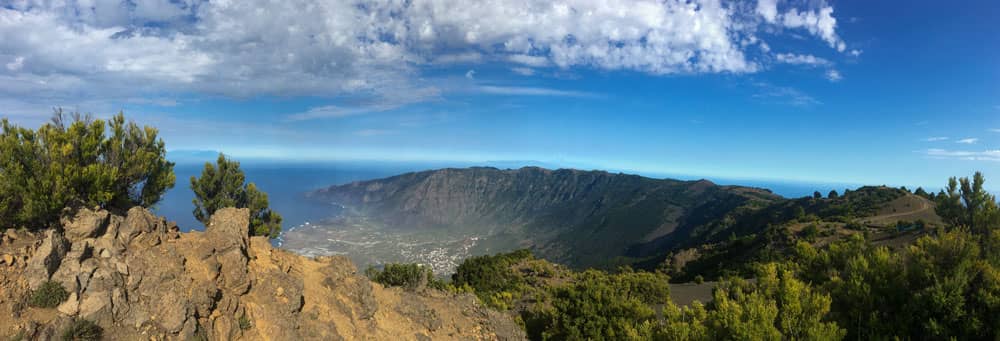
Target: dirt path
x,y
924,205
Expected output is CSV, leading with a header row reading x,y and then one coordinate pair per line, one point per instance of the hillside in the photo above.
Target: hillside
x,y
137,277
579,218
598,219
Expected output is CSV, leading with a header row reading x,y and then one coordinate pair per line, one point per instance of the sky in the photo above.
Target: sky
x,y
877,92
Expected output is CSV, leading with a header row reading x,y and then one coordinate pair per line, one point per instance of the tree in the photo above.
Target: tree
x,y
778,306
224,185
833,194
966,203
921,192
817,195
71,162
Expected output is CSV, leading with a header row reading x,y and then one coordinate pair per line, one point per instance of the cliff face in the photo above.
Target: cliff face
x,y
580,218
139,278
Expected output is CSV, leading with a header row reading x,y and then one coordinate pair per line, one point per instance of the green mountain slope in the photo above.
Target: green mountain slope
x,y
578,218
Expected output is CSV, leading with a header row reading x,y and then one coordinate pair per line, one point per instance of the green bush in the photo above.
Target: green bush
x,y
78,161
49,295
82,330
410,276
245,323
224,185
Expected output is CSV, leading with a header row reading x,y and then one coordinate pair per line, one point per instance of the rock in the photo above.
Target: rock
x,y
172,314
86,224
142,279
229,233
71,307
138,221
46,259
94,304
10,234
229,228
7,259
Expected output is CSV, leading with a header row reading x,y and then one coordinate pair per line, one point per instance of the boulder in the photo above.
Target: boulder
x,y
94,304
229,228
138,221
71,307
86,224
46,259
229,234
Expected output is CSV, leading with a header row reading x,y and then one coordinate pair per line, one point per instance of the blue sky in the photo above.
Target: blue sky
x,y
902,93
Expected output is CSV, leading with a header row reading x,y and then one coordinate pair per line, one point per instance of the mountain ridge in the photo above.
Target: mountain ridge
x,y
581,218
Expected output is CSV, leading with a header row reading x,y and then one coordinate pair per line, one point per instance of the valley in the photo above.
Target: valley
x,y
589,219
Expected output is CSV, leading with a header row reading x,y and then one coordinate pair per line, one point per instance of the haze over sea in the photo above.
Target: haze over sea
x,y
286,183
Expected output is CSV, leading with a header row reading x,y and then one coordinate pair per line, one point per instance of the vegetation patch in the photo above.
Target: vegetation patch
x,y
410,276
82,330
49,295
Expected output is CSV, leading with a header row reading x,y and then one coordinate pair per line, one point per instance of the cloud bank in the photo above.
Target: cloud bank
x,y
64,50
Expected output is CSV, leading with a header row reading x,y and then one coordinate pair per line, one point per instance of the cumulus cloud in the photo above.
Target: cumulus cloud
x,y
768,9
833,75
818,21
134,48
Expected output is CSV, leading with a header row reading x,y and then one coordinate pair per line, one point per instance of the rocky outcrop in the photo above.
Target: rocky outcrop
x,y
47,259
139,278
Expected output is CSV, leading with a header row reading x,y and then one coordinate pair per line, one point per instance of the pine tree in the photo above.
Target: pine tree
x,y
224,185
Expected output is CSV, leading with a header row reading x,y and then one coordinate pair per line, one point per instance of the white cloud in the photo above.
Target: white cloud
x,y
784,95
801,59
768,9
523,71
970,140
833,75
471,74
995,130
936,138
986,155
16,64
530,91
373,132
855,53
365,106
818,21
72,50
459,58
534,61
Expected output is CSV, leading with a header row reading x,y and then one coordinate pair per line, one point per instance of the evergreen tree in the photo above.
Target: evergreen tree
x,y
965,203
833,194
224,185
71,162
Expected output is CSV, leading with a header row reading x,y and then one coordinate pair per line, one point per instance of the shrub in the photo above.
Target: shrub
x,y
72,162
810,232
410,276
82,330
49,295
224,185
245,322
